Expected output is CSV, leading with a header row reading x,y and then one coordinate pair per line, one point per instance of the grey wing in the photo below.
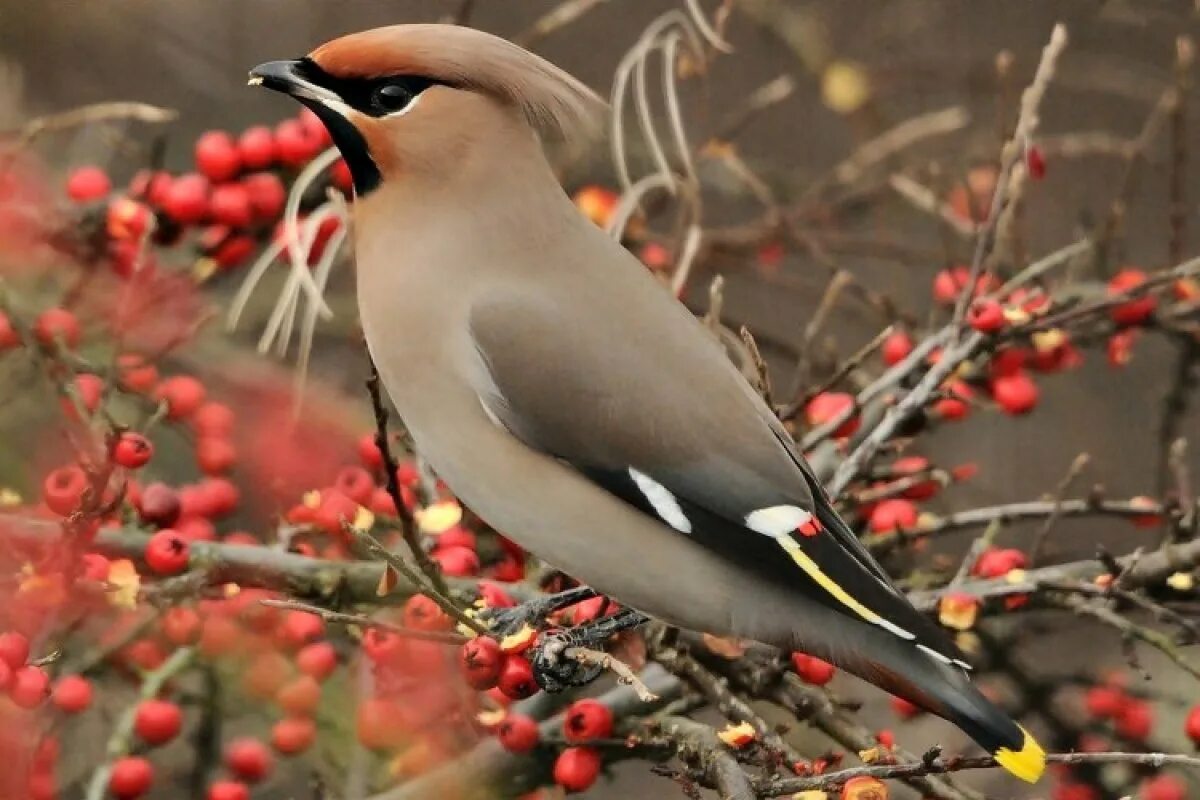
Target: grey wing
x,y
654,413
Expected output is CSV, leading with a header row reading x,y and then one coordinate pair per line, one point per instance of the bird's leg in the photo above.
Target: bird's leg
x,y
504,621
555,670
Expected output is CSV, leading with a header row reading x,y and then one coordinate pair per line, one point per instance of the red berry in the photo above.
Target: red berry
x,y
893,514
213,419
1163,787
896,347
131,777
369,453
1035,162
267,195
150,186
181,626
577,768
422,613
132,450
234,251
9,338
157,721
1134,311
314,128
828,406
30,686
134,374
57,325
215,455
1135,721
339,175
186,199
256,147
356,483
912,465
812,670
481,661
249,759
516,678
318,659
295,147
293,735
183,395
14,649
230,205
996,562
587,719
167,552
63,489
955,405
300,696
458,562
1191,725
903,708
126,221
72,693
1015,394
159,505
220,496
518,733
228,790
88,183
986,315
299,628
217,156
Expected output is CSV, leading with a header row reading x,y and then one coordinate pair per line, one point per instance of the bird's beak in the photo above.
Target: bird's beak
x,y
289,77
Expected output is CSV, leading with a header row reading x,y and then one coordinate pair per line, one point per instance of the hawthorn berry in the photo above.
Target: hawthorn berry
x,y
230,205
181,626
318,659
30,686
516,678
157,721
423,613
159,505
217,156
1135,720
1035,162
183,395
256,147
1163,787
186,199
293,735
864,787
300,696
72,693
132,450
903,708
267,195
1015,393
56,326
215,455
458,562
167,552
294,146
131,777
955,404
896,347
249,759
577,768
812,670
912,465
299,628
996,562
88,183
368,452
828,406
1137,310
127,221
518,733
986,315
586,720
356,483
14,649
9,338
893,514
63,489
228,790
481,661
134,374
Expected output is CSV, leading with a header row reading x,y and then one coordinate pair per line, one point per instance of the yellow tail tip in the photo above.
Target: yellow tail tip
x,y
1028,763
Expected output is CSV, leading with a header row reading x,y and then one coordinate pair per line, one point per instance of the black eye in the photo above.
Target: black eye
x,y
391,97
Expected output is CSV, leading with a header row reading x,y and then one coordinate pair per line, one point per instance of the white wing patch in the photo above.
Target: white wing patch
x,y
662,501
776,521
945,659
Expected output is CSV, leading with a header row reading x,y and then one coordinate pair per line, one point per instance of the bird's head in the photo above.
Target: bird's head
x,y
429,99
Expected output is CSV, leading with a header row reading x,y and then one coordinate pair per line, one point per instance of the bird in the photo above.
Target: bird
x,y
570,400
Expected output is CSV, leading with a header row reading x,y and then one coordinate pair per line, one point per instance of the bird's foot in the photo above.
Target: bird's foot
x,y
506,621
555,669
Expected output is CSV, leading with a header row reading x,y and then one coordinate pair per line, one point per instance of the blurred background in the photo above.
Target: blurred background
x,y
908,58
